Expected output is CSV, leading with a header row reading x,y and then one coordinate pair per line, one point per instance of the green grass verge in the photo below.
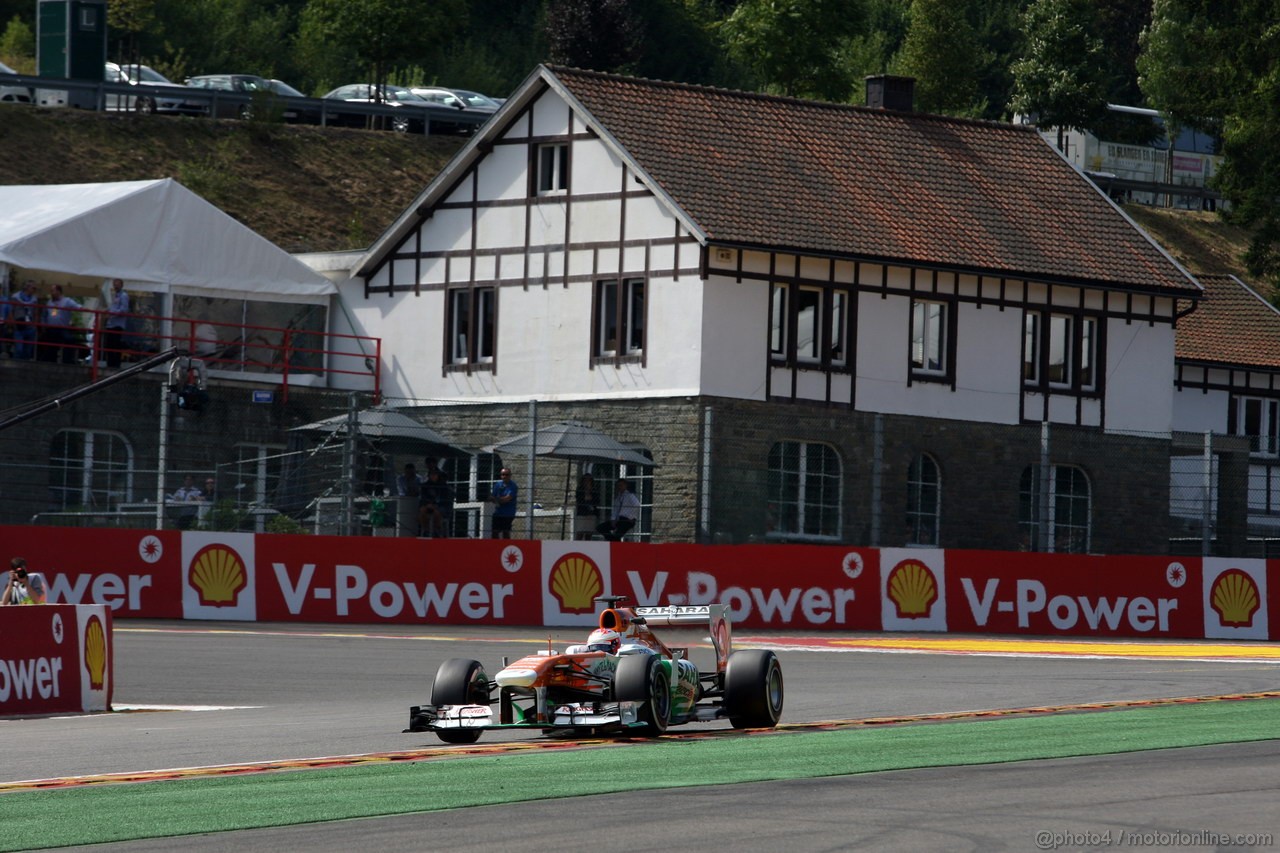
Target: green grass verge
x,y
62,817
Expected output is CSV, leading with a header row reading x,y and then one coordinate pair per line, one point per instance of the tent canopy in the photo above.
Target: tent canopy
x,y
390,430
573,441
148,231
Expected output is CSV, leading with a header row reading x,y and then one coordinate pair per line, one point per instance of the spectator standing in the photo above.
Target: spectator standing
x,y
117,322
188,492
409,484
586,508
58,315
504,497
435,513
24,587
24,310
210,493
626,512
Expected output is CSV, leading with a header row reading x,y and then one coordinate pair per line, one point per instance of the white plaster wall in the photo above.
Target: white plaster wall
x,y
1139,377
988,363
503,175
734,339
550,116
1197,411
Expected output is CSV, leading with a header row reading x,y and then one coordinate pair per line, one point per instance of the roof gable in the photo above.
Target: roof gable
x,y
1232,325
772,172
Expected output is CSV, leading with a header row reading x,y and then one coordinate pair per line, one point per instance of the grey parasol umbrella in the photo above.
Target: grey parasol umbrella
x,y
391,430
572,441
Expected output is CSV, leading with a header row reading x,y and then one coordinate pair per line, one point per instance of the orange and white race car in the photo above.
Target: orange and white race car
x,y
623,680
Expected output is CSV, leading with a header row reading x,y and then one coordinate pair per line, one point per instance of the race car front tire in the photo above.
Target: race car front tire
x,y
460,681
644,680
753,691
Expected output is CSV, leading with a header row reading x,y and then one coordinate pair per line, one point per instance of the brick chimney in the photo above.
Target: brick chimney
x,y
887,92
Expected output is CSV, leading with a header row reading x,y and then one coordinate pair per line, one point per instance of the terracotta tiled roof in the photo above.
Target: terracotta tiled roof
x,y
1231,325
767,171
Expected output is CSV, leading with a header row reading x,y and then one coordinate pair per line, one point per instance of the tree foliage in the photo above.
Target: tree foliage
x,y
1060,77
942,52
795,46
602,35
1216,68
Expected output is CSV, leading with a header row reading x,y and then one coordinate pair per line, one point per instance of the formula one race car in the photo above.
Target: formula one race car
x,y
623,680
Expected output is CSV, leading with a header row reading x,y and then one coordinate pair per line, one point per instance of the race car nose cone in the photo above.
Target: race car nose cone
x,y
516,678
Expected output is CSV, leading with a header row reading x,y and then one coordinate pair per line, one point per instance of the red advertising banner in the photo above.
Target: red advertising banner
x,y
1046,594
764,586
134,572
431,581
242,576
55,658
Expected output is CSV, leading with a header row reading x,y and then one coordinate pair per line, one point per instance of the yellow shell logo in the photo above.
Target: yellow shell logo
x,y
576,582
95,652
913,589
218,574
1235,598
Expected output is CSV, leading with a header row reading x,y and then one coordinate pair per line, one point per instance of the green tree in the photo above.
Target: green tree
x,y
1216,68
604,35
1060,78
18,46
127,22
943,53
796,47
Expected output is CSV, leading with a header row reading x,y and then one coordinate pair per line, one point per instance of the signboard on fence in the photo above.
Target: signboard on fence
x,y
55,659
371,580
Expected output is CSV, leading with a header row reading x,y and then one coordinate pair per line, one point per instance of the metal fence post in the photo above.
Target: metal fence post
x,y
1206,497
877,474
1044,527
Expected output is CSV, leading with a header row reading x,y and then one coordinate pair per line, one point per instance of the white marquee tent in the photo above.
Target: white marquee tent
x,y
156,235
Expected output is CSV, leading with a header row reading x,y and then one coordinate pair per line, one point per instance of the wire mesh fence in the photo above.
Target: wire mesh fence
x,y
689,469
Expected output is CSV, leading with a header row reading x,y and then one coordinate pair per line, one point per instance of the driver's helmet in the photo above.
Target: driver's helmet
x,y
604,640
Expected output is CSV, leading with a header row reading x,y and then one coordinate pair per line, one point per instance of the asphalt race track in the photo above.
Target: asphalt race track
x,y
285,693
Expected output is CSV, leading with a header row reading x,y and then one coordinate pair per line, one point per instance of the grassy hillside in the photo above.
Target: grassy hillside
x,y
307,189
326,189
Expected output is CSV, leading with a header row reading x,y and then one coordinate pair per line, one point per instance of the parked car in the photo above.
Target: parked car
x,y
298,108
410,112
14,94
457,98
239,84
147,100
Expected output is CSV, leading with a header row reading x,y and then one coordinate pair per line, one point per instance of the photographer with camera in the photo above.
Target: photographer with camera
x,y
24,587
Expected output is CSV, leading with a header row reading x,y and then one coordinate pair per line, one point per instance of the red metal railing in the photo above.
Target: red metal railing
x,y
266,354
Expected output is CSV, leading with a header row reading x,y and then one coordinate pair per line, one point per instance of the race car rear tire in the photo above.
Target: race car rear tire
x,y
643,679
753,690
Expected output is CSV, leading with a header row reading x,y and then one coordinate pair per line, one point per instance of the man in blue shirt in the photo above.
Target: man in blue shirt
x,y
504,500
23,312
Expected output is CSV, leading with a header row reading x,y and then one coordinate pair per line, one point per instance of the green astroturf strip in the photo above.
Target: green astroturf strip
x,y
61,817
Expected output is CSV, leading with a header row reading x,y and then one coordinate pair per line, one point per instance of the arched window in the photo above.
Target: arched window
x,y
1054,509
90,469
924,500
804,491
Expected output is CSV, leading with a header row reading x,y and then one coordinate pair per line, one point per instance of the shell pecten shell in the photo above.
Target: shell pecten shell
x,y
95,652
1235,598
576,581
218,574
912,588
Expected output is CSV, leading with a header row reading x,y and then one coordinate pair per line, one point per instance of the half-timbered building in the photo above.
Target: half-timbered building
x,y
891,327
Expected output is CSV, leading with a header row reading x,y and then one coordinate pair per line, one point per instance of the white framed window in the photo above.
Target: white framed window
x,y
819,318
803,491
471,325
808,324
929,337
1258,418
553,168
639,481
1055,509
1061,350
90,469
620,318
924,500
837,334
778,320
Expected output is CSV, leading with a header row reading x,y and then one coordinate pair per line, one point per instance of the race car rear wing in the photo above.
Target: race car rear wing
x,y
714,616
